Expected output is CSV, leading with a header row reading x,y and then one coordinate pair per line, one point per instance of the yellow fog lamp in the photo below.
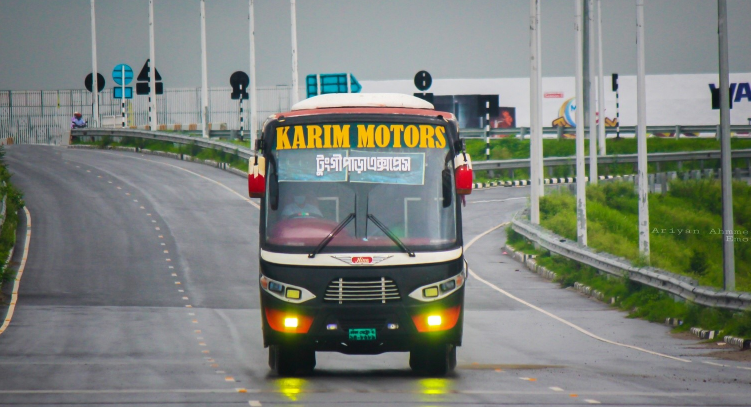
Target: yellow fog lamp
x,y
291,322
434,320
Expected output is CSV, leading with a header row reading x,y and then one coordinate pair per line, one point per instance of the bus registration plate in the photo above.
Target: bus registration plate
x,y
362,334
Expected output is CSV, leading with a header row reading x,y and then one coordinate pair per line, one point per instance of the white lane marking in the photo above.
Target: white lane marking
x,y
555,388
19,274
497,200
592,401
254,403
557,318
715,364
197,175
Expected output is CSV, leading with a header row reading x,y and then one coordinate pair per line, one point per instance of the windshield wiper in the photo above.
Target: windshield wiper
x,y
331,235
391,235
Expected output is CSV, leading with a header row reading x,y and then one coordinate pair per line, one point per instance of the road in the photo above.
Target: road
x,y
140,289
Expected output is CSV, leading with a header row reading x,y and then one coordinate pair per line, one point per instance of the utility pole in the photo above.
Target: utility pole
x,y
535,120
204,75
728,255
295,87
253,101
592,117
641,133
600,84
94,72
152,70
581,184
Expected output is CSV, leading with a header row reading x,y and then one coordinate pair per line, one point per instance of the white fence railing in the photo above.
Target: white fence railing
x,y
43,117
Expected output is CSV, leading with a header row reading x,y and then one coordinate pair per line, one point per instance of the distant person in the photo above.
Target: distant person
x,y
77,122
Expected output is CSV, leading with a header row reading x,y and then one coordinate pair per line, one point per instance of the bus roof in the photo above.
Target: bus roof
x,y
364,103
362,100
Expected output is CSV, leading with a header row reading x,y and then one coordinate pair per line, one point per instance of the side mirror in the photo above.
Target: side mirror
x,y
257,177
463,174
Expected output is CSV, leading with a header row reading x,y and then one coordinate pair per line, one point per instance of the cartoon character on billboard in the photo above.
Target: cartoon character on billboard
x,y
567,117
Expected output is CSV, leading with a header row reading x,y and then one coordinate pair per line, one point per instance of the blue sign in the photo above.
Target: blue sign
x,y
331,83
118,92
117,74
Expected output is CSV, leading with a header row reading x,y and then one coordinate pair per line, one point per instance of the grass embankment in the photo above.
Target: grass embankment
x,y
638,300
684,239
513,148
685,226
193,150
14,202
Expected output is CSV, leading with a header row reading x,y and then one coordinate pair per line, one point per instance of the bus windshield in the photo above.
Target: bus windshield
x,y
360,187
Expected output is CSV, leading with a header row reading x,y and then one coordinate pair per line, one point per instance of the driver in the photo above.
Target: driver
x,y
302,206
77,121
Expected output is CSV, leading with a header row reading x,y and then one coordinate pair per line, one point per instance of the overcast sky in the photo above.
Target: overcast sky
x,y
46,44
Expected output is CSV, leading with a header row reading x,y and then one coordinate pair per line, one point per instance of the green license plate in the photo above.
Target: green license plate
x,y
362,334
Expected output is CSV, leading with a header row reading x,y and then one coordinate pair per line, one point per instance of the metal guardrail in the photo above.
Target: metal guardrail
x,y
246,153
675,284
560,131
242,152
608,159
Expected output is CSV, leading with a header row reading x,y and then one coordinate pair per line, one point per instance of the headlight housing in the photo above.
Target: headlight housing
x,y
441,289
285,292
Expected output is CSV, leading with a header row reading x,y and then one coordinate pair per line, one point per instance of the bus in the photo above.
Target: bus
x,y
360,231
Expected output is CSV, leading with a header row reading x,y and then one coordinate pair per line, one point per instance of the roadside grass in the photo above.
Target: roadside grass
x,y
14,202
685,226
513,148
193,150
638,300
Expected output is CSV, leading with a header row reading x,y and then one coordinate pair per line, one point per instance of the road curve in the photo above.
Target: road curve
x,y
140,288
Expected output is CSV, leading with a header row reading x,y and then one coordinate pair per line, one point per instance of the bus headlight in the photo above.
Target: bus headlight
x,y
441,289
285,292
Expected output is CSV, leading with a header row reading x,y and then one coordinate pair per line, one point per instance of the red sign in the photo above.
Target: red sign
x,y
553,95
362,260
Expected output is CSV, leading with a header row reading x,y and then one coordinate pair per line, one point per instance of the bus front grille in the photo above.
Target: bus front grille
x,y
343,290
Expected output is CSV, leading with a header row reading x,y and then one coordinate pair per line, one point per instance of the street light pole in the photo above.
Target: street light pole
x,y
591,125
152,69
600,84
581,184
641,134
94,73
728,255
295,90
534,97
204,75
253,101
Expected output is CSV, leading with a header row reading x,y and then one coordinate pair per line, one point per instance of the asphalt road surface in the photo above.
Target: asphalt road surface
x,y
140,288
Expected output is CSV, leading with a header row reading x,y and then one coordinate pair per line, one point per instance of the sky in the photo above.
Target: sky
x,y
46,44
